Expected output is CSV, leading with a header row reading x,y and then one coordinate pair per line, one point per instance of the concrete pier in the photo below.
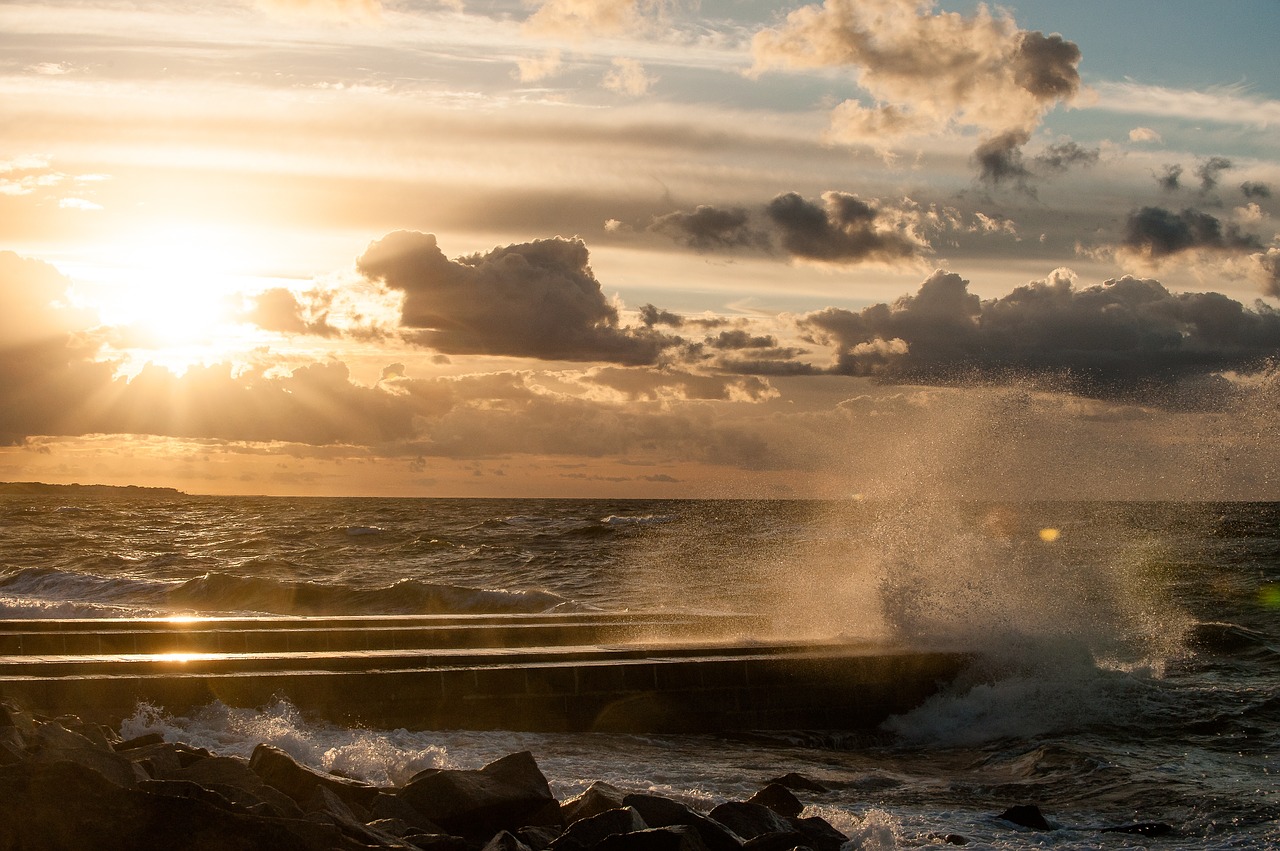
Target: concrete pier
x,y
574,672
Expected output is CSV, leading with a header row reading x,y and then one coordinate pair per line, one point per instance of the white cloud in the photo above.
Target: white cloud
x,y
1220,104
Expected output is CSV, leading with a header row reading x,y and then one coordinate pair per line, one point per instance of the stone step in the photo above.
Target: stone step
x,y
654,673
299,634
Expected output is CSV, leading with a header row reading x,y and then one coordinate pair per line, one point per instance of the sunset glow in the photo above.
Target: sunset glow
x,y
649,249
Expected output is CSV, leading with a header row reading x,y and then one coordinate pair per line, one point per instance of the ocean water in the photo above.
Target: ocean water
x,y
1126,653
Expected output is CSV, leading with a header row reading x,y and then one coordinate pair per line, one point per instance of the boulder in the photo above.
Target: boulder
x,y
538,837
1026,815
143,741
799,783
776,841
750,820
505,840
674,838
507,794
663,812
778,798
818,833
588,832
232,778
595,799
278,769
389,805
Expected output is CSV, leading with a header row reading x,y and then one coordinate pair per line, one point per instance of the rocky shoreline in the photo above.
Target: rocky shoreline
x,y
66,784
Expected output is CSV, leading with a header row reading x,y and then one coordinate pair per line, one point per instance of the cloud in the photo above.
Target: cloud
x,y
279,310
1154,233
657,385
537,299
927,71
1170,179
999,159
1064,155
578,19
1268,270
1143,135
36,304
370,10
652,316
1121,337
844,229
1209,170
1255,189
627,77
534,68
710,227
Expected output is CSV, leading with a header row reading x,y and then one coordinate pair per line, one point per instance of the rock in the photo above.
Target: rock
x,y
818,833
948,838
750,820
187,789
538,837
278,769
1026,815
437,842
663,812
505,840
505,795
675,838
389,805
145,740
232,778
595,799
778,798
111,766
589,832
1146,828
776,841
799,783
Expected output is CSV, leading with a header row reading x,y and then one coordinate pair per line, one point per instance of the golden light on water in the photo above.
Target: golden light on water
x,y
1049,534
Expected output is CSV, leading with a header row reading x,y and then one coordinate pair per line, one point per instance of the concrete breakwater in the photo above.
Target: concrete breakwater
x,y
618,672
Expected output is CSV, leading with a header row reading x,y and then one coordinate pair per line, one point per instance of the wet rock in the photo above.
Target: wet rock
x,y
674,838
505,795
389,805
538,837
595,799
589,832
948,838
505,840
1146,828
749,820
778,798
143,741
278,769
663,812
1026,815
437,842
818,833
784,841
232,778
799,783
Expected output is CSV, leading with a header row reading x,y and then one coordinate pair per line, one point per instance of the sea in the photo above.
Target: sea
x,y
1126,655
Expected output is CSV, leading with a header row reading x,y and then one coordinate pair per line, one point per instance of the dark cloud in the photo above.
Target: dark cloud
x,y
739,338
652,316
1046,66
1062,156
1170,179
1125,335
654,385
537,299
999,159
710,227
843,229
1154,233
280,310
1255,189
1209,170
1269,269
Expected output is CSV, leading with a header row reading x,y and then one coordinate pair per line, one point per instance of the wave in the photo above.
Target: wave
x,y
46,592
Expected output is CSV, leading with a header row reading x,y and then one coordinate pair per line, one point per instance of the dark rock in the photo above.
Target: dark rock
x,y
505,840
750,820
595,799
437,842
54,736
65,805
11,715
389,805
799,783
663,812
538,837
778,798
145,740
114,768
675,838
278,769
589,832
187,789
232,778
948,838
1146,828
776,841
1026,815
505,795
818,833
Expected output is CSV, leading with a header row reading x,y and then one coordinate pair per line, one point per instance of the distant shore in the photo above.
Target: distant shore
x,y
44,489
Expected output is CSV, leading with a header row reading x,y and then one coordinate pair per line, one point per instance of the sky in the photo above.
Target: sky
x,y
642,248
